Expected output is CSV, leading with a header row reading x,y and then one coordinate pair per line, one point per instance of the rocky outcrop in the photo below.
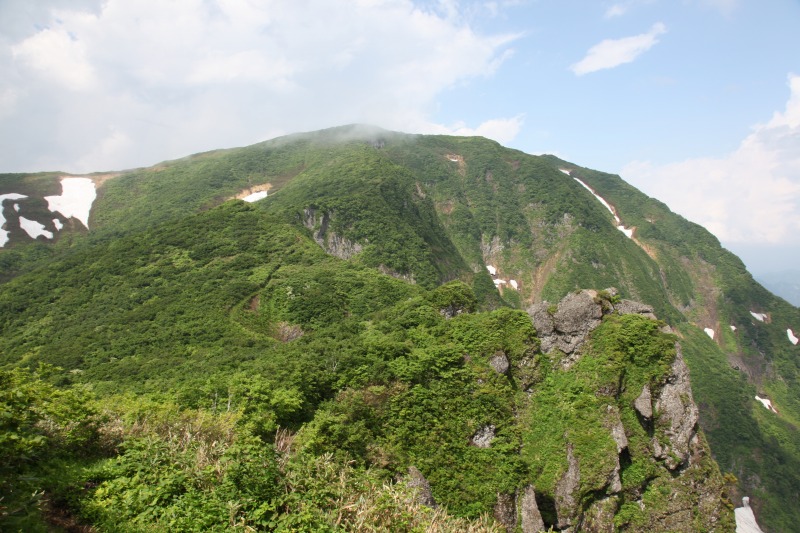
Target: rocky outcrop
x,y
644,403
499,363
617,430
566,491
638,462
629,307
505,511
417,481
519,509
483,437
614,423
599,517
530,517
677,416
333,243
566,326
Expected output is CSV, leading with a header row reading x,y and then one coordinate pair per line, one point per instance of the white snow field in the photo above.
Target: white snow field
x,y
76,199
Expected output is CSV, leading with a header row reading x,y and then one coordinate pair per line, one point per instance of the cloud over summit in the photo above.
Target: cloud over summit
x,y
188,75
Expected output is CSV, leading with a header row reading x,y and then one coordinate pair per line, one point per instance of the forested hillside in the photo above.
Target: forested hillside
x,y
379,343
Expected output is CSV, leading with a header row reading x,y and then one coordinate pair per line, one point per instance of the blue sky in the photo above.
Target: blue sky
x,y
695,102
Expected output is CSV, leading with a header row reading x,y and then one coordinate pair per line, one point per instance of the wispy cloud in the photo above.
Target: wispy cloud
x,y
97,85
750,196
611,53
616,10
502,130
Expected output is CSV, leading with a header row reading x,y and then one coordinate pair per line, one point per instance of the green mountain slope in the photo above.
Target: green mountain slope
x,y
323,297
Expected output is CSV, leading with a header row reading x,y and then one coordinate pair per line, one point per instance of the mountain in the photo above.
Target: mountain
x,y
513,335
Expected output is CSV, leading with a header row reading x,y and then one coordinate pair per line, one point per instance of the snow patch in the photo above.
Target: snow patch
x,y
499,282
565,171
492,270
791,336
3,197
766,403
256,196
761,317
627,231
33,228
745,519
11,196
709,332
733,328
514,285
57,223
76,199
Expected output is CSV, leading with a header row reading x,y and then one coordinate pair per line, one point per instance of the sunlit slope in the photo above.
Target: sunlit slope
x,y
424,210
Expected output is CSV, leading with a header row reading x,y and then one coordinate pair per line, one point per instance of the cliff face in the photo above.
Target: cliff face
x,y
610,427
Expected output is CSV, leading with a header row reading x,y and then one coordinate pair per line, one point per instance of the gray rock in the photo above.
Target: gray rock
x,y
530,517
677,415
578,313
614,423
483,437
614,481
599,517
566,504
644,403
418,481
629,307
569,326
330,241
618,433
505,511
499,362
542,320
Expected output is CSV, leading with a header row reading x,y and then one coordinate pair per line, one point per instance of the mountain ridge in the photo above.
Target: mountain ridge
x,y
433,209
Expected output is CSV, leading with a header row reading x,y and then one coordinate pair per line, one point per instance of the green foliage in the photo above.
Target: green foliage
x,y
232,317
40,425
454,298
576,406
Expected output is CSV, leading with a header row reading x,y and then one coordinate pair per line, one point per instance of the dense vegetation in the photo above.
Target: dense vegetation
x,y
188,347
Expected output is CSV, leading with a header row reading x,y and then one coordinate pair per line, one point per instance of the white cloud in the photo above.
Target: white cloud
x,y
751,196
616,10
502,130
58,57
123,84
8,98
611,53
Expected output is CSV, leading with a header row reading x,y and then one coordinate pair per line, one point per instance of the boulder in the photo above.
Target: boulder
x,y
499,362
505,511
530,517
568,327
566,504
483,437
644,403
418,481
677,416
629,307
